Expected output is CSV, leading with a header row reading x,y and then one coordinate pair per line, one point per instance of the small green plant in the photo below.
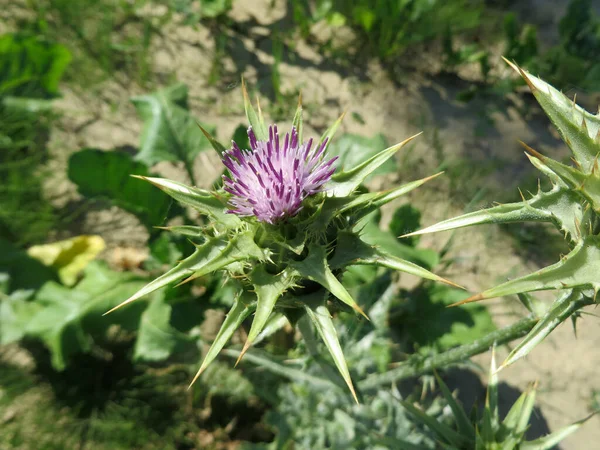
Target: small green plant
x,y
488,431
387,27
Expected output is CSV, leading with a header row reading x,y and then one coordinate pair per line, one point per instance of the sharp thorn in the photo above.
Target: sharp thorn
x,y
473,298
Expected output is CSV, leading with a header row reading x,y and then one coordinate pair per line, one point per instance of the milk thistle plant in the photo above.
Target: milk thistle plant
x,y
285,225
572,205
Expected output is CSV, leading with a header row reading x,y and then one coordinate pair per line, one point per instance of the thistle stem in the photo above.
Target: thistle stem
x,y
420,365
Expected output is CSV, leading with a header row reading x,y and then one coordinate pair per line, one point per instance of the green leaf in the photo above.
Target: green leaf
x,y
255,120
372,234
211,256
203,201
105,174
330,133
353,149
344,183
406,219
68,319
579,129
15,312
315,268
359,206
553,317
157,339
517,419
30,66
268,289
297,121
560,206
216,145
242,308
68,257
24,272
444,432
352,250
192,231
170,132
463,422
587,185
550,441
292,374
435,327
320,317
578,269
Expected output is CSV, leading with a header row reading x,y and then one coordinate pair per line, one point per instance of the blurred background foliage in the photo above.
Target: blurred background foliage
x,y
69,378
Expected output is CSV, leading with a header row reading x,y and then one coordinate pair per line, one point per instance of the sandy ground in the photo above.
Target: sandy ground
x,y
563,364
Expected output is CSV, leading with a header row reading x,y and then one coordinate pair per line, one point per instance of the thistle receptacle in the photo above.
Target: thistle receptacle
x,y
285,225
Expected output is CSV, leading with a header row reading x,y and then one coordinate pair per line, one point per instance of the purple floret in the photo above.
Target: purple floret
x,y
271,180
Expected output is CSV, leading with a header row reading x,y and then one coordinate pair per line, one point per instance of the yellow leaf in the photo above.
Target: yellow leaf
x,y
68,257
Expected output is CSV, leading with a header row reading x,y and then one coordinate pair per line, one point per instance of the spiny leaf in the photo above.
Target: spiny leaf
x,y
330,132
185,230
352,250
199,199
550,441
219,148
580,268
460,416
241,309
588,185
320,317
543,328
213,255
315,267
297,121
560,206
577,127
491,397
361,205
258,125
443,431
344,183
517,419
277,368
268,289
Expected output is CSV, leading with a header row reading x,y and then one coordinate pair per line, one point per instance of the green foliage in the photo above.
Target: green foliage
x,y
30,66
352,150
488,431
65,317
295,263
313,411
574,61
387,27
107,174
30,70
170,132
434,327
572,206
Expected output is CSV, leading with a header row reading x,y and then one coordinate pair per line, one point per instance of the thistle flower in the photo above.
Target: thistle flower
x,y
292,268
270,181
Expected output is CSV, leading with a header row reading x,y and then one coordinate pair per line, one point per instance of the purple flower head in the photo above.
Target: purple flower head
x,y
271,180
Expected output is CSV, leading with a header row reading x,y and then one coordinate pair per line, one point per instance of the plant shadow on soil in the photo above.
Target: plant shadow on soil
x,y
106,399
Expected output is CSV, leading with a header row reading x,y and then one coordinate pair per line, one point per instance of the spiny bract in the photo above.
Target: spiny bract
x,y
572,206
286,226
